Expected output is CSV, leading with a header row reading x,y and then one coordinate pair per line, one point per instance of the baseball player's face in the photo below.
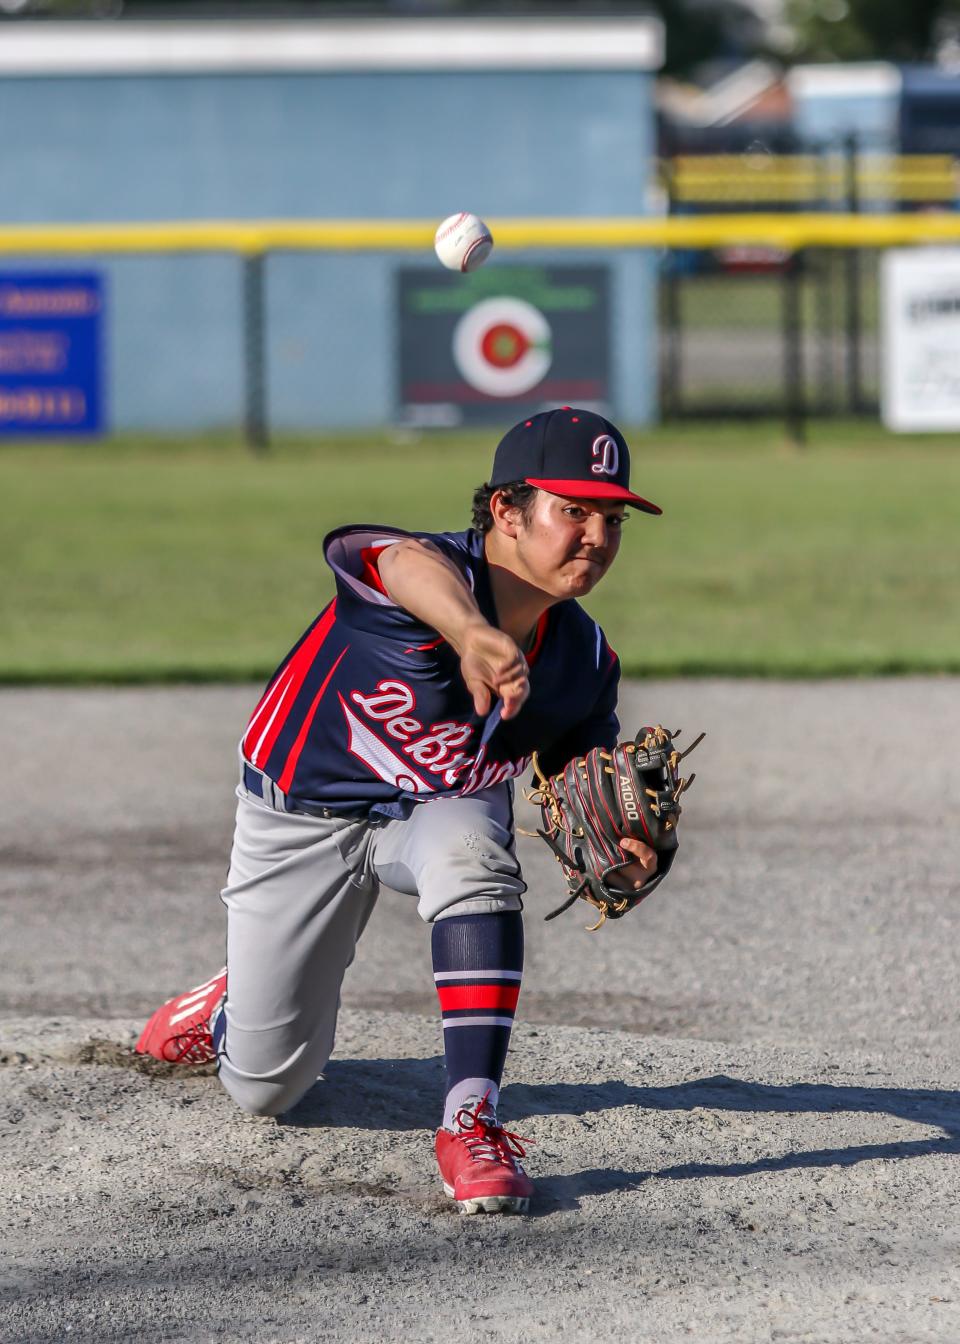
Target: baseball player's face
x,y
569,544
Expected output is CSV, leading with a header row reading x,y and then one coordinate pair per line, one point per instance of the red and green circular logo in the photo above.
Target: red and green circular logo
x,y
503,346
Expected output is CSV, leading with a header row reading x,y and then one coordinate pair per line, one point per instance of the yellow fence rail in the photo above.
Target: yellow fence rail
x,y
794,178
256,237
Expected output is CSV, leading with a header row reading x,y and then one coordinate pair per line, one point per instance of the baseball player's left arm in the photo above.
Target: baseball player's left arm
x,y
418,577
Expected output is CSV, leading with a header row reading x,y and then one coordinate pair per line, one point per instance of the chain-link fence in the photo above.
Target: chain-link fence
x,y
748,330
765,333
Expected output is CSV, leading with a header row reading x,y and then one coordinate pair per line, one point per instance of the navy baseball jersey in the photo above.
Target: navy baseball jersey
x,y
369,712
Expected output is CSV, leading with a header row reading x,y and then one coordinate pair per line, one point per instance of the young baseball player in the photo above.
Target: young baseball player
x,y
383,750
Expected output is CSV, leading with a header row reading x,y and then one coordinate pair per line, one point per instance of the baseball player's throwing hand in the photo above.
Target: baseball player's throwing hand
x,y
425,583
493,668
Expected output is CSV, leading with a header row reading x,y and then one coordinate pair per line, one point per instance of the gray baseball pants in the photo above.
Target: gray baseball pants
x,y
299,893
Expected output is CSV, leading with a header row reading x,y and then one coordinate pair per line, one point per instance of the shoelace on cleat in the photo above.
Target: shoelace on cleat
x,y
487,1141
194,1046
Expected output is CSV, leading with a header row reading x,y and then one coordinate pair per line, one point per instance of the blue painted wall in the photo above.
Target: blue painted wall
x,y
324,145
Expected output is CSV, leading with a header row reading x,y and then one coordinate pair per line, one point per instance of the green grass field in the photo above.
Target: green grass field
x,y
159,560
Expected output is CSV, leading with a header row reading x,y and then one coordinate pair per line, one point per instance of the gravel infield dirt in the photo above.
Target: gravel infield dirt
x,y
742,1102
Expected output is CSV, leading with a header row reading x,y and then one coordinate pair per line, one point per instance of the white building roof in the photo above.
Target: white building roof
x,y
861,79
110,47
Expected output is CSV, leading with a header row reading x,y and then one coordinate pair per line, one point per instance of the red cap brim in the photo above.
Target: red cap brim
x,y
595,490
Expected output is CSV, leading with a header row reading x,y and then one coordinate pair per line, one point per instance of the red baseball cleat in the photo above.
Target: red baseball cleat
x,y
478,1164
179,1032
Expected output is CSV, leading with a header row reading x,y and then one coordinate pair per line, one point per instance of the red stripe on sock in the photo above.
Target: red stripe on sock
x,y
478,996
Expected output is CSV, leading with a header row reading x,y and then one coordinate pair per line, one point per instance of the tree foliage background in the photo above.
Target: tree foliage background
x,y
857,30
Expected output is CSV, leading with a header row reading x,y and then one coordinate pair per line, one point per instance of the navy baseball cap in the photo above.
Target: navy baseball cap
x,y
568,452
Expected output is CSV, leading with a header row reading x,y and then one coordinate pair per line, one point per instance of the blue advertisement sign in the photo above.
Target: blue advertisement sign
x,y
51,353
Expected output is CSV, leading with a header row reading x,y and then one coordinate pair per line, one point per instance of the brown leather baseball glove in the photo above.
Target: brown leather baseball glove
x,y
598,800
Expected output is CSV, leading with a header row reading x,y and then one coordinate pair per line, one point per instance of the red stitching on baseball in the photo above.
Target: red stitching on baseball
x,y
477,242
452,228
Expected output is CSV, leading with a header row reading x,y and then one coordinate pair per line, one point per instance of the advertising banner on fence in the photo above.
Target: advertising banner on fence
x,y
51,364
498,344
920,386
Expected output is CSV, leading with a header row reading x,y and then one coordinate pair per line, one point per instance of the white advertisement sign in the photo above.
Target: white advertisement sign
x,y
920,307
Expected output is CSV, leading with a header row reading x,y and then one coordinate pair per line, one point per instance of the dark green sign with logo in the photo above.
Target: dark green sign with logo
x,y
501,343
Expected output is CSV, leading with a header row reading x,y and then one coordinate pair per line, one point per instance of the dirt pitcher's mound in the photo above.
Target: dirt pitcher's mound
x,y
685,1190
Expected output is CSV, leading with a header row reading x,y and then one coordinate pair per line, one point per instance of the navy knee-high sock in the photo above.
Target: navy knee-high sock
x,y
477,965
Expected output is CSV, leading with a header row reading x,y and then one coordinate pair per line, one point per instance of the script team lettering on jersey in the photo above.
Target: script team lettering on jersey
x,y
435,750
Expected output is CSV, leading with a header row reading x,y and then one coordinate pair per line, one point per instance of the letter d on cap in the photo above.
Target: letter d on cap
x,y
605,448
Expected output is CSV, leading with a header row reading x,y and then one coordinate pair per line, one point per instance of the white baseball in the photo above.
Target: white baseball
x,y
463,242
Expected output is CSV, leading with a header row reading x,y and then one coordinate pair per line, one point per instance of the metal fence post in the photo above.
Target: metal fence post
x,y
671,398
256,428
823,270
670,349
793,370
823,277
853,297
